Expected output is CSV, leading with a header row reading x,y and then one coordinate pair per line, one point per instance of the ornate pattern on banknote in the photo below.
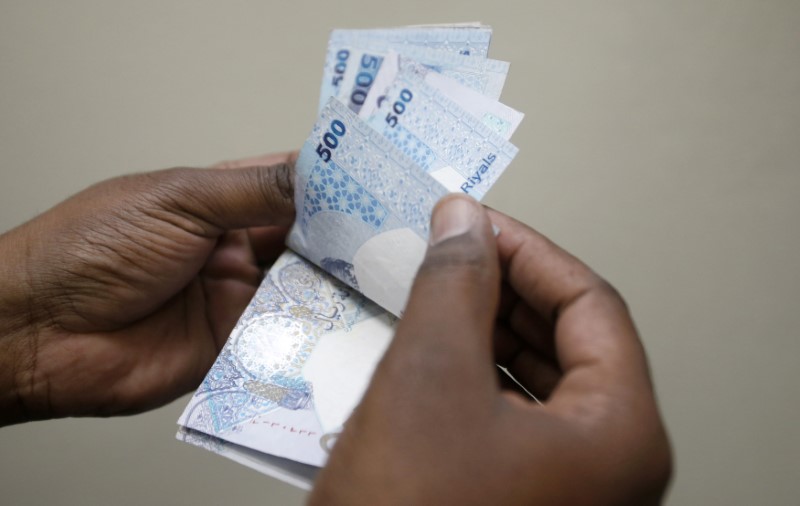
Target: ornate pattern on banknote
x,y
457,138
387,175
330,188
484,75
260,367
459,52
412,147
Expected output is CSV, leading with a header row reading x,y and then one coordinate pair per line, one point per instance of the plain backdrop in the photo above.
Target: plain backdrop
x,y
661,145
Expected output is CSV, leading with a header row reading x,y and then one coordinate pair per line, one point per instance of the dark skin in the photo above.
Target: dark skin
x,y
436,426
119,299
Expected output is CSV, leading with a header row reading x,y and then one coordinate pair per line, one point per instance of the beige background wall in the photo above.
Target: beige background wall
x,y
661,144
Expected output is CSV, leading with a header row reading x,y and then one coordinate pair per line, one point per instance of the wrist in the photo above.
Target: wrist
x,y
18,330
16,363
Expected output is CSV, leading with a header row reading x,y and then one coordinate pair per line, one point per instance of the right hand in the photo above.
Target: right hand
x,y
119,299
436,427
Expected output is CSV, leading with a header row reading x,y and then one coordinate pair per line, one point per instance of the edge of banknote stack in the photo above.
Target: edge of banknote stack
x,y
406,115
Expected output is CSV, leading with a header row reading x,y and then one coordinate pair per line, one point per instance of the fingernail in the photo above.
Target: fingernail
x,y
454,216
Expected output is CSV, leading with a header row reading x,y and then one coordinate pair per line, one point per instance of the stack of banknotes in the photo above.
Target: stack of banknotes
x,y
406,116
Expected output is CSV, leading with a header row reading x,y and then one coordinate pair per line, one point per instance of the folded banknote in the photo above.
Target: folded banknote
x,y
442,40
462,151
294,367
363,207
354,58
406,116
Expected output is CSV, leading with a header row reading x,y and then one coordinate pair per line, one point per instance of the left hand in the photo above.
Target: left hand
x,y
119,299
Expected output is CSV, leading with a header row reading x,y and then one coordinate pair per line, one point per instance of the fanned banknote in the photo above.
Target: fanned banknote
x,y
302,353
471,39
466,38
355,56
280,384
459,150
499,117
359,68
363,207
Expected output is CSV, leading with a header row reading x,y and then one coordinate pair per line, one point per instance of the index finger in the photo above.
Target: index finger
x,y
258,161
596,343
267,242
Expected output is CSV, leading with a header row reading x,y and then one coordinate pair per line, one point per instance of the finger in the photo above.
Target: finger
x,y
258,161
536,373
543,275
508,299
232,258
596,343
509,383
444,337
508,343
532,330
267,243
229,279
214,200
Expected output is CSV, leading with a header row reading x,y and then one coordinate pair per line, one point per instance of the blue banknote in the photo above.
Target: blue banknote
x,y
466,40
363,207
486,76
354,57
301,355
267,389
499,117
459,150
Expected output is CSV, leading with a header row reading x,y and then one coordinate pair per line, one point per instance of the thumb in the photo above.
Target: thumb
x,y
224,199
449,319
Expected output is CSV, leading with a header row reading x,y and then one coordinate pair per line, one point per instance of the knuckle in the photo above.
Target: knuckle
x,y
609,292
169,186
178,197
276,182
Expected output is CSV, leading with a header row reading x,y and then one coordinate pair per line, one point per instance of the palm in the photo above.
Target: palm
x,y
138,281
170,314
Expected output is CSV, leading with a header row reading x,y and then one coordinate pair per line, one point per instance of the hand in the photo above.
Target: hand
x,y
119,299
436,426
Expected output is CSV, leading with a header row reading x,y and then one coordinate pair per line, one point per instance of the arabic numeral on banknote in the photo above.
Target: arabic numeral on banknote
x,y
331,140
340,67
399,107
368,69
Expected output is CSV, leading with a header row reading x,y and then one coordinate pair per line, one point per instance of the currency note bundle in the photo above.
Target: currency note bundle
x,y
406,115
